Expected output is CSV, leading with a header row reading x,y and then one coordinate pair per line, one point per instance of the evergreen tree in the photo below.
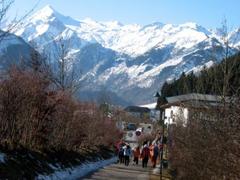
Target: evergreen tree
x,y
209,81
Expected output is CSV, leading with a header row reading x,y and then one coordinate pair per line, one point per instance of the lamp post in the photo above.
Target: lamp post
x,y
161,121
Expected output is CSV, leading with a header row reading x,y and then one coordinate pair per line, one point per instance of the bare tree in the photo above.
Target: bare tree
x,y
104,96
4,7
228,51
10,25
64,75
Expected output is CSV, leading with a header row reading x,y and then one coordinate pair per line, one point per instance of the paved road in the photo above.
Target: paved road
x,y
122,172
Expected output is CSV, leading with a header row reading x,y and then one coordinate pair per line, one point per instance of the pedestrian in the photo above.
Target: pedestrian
x,y
155,155
127,154
151,152
121,153
136,154
145,155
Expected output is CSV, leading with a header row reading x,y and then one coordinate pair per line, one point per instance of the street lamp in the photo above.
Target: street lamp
x,y
161,121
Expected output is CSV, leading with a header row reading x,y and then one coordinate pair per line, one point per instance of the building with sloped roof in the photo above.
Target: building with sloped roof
x,y
189,106
139,112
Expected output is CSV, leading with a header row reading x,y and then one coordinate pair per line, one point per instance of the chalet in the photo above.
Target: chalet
x,y
189,106
139,112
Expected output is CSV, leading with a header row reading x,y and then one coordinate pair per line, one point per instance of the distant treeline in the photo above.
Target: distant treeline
x,y
220,79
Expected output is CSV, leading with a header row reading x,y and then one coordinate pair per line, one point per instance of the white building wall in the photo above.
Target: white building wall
x,y
174,113
154,115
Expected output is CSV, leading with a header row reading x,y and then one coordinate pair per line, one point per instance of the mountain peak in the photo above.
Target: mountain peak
x,y
48,13
107,54
130,39
88,20
195,26
48,10
48,7
113,24
155,24
192,25
44,13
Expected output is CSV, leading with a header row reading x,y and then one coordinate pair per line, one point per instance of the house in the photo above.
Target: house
x,y
189,106
154,113
139,112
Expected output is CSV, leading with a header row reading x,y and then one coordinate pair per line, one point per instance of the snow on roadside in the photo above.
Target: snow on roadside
x,y
157,169
78,171
2,158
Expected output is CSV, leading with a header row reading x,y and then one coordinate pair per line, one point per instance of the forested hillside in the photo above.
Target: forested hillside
x,y
221,79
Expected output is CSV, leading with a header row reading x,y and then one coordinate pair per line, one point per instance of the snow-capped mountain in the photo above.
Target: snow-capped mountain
x,y
131,60
132,39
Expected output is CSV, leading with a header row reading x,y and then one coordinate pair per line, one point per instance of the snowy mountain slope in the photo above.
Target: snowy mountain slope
x,y
234,38
13,50
130,39
128,59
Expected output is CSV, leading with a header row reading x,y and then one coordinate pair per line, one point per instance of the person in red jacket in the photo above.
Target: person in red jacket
x,y
136,154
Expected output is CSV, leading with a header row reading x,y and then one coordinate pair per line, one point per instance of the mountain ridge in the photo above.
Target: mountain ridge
x,y
128,59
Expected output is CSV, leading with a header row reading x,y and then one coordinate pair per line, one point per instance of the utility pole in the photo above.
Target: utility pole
x,y
162,140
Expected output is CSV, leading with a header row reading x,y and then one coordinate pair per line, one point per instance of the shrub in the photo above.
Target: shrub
x,y
36,116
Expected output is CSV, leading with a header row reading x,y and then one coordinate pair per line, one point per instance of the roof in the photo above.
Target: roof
x,y
194,96
195,100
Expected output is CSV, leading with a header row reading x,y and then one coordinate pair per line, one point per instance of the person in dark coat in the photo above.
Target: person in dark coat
x,y
127,153
155,155
145,155
121,152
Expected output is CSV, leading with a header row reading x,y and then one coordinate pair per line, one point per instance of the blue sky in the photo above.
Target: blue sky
x,y
208,13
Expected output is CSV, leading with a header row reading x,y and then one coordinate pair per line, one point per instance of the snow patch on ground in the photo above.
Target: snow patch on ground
x,y
156,170
78,171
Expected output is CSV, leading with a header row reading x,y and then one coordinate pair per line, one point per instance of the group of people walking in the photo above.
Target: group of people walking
x,y
144,153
